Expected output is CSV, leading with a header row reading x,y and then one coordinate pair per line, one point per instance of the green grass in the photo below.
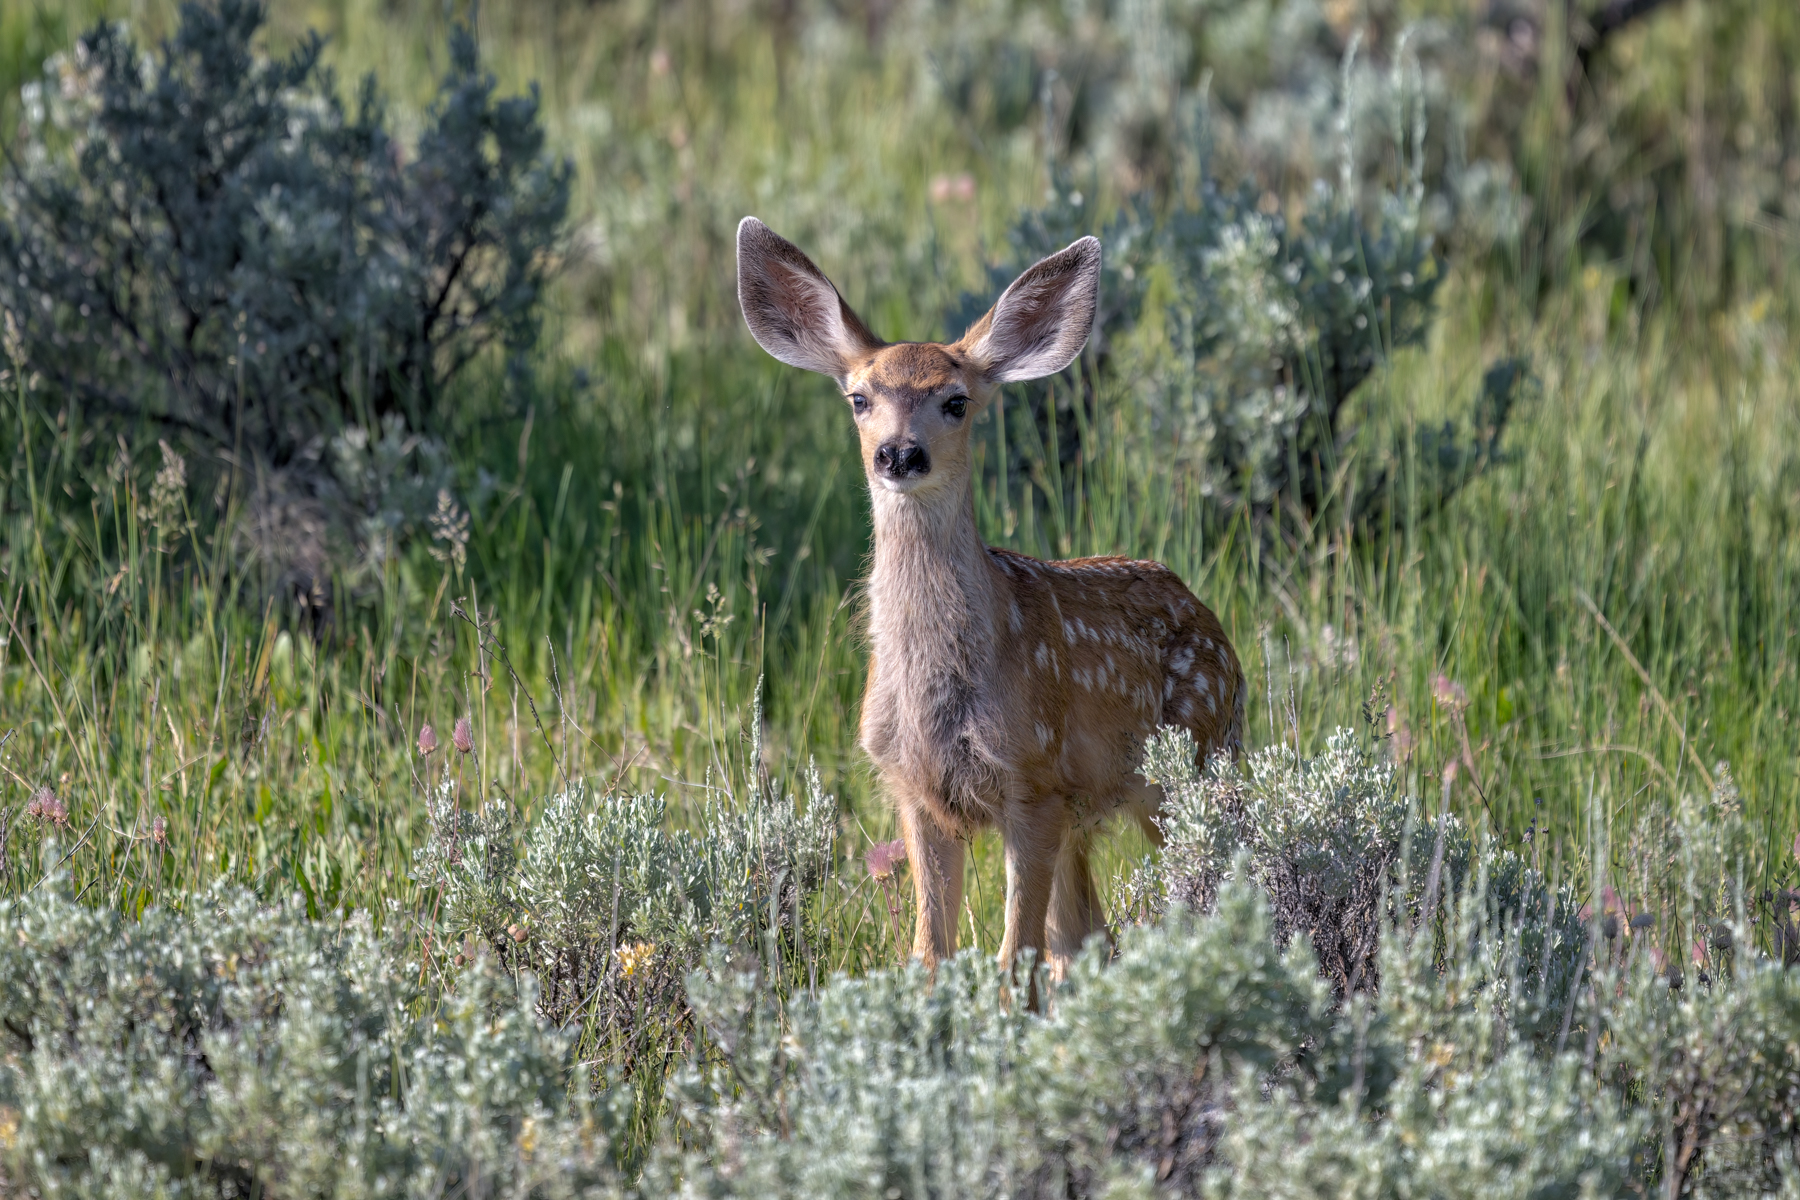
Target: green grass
x,y
268,754
650,546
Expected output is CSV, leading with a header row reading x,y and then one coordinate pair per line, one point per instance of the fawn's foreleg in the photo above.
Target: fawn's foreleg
x,y
936,858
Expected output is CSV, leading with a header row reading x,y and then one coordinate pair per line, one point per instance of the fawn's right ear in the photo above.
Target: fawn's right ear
x,y
793,311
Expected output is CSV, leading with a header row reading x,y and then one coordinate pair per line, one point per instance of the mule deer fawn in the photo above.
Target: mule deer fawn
x,y
1002,690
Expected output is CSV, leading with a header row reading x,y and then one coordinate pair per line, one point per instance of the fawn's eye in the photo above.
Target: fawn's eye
x,y
859,404
955,407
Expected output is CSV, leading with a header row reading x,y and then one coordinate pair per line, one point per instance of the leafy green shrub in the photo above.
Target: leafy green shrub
x,y
237,1049
212,241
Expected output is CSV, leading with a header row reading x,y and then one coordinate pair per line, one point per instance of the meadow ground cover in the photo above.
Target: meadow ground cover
x,y
396,877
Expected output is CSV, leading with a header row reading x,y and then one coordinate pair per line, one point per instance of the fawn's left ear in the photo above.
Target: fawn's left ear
x,y
1042,321
793,311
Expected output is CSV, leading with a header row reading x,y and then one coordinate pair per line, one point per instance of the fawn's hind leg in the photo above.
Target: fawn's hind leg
x,y
1075,911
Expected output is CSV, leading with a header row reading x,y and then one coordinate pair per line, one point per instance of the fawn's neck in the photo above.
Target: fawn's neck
x,y
933,591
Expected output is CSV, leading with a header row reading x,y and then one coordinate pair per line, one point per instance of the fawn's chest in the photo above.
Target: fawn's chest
x,y
931,714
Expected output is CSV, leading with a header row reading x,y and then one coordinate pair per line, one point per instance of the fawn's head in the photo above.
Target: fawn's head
x,y
914,401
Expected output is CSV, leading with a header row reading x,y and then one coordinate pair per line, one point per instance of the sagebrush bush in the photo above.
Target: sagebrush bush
x,y
1241,336
210,240
1518,1044
893,1081
1323,837
240,1049
1201,1060
610,908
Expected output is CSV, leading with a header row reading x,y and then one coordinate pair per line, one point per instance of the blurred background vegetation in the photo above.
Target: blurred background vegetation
x,y
1445,354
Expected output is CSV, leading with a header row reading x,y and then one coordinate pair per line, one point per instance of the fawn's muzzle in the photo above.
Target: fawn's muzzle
x,y
900,462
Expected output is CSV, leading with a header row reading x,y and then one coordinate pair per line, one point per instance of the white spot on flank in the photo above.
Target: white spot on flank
x,y
1203,685
1187,707
1210,706
1016,617
1169,688
1081,677
1043,655
1043,735
1069,632
1181,660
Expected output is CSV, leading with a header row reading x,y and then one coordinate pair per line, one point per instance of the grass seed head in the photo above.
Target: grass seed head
x,y
427,739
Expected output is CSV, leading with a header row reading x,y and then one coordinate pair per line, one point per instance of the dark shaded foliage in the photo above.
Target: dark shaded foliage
x,y
213,241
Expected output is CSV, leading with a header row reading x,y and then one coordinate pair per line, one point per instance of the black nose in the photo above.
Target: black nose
x,y
900,461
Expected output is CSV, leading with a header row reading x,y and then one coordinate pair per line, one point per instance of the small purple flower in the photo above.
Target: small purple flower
x,y
159,832
462,737
427,739
884,857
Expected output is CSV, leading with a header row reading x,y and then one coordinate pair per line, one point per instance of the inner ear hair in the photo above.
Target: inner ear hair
x,y
1041,322
793,311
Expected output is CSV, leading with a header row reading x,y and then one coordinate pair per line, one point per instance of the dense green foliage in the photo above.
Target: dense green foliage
x,y
1530,522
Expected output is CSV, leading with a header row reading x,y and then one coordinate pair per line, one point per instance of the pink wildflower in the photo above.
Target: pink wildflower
x,y
884,857
45,806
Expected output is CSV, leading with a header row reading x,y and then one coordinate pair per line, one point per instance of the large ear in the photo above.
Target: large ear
x,y
1042,321
793,311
